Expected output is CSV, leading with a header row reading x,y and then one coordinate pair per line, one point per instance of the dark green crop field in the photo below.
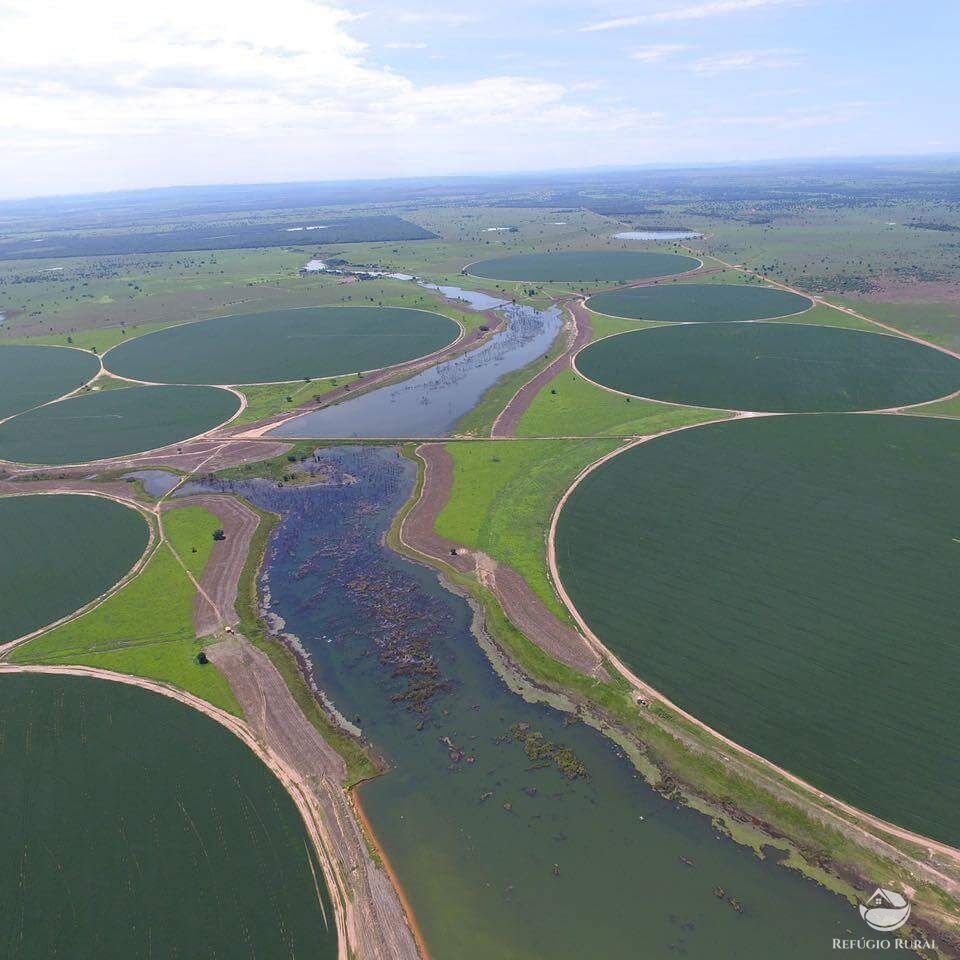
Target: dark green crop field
x,y
699,303
34,375
792,581
137,828
773,367
59,553
116,422
583,266
283,345
206,236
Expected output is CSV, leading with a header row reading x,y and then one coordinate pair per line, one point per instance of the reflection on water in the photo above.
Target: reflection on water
x,y
500,852
477,300
156,482
430,403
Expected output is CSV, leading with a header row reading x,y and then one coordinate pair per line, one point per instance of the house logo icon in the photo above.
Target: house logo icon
x,y
886,910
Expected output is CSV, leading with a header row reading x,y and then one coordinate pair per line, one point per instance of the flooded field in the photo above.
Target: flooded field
x,y
516,830
431,403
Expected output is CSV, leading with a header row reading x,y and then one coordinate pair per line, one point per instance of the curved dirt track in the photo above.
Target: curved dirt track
x,y
522,606
215,603
578,337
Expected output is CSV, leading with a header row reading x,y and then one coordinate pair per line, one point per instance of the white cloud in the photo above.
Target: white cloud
x,y
746,60
405,45
698,11
657,52
111,93
438,17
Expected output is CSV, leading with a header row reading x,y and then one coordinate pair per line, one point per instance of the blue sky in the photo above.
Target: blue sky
x,y
106,95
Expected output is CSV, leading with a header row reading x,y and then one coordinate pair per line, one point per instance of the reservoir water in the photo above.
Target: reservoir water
x,y
430,403
156,482
506,847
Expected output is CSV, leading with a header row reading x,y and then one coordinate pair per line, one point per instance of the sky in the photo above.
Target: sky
x,y
106,94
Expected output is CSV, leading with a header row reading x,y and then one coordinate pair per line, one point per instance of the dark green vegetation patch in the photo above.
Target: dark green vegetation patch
x,y
773,367
94,426
283,345
583,266
136,827
212,236
33,375
60,552
699,303
792,581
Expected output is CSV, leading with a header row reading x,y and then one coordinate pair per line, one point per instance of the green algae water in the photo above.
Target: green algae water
x,y
501,854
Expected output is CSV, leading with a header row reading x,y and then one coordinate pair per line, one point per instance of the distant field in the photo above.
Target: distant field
x,y
283,345
136,827
774,367
59,553
93,426
33,375
211,236
582,266
792,582
699,303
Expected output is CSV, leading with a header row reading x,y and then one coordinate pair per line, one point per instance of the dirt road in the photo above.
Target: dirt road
x,y
522,606
215,603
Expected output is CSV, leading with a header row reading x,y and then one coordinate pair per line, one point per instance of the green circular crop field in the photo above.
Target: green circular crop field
x,y
792,581
95,426
283,345
136,827
699,303
68,550
583,266
770,367
31,375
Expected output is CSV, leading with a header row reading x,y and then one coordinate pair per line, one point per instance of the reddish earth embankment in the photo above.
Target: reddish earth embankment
x,y
215,604
578,336
522,606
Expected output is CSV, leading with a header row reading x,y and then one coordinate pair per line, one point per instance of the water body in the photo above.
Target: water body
x,y
157,483
430,403
477,300
657,235
502,857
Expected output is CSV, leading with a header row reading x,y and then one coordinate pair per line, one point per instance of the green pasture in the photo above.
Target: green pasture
x,y
138,828
582,266
265,399
773,367
937,322
503,497
283,345
60,552
31,375
792,582
97,425
699,303
146,629
569,406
